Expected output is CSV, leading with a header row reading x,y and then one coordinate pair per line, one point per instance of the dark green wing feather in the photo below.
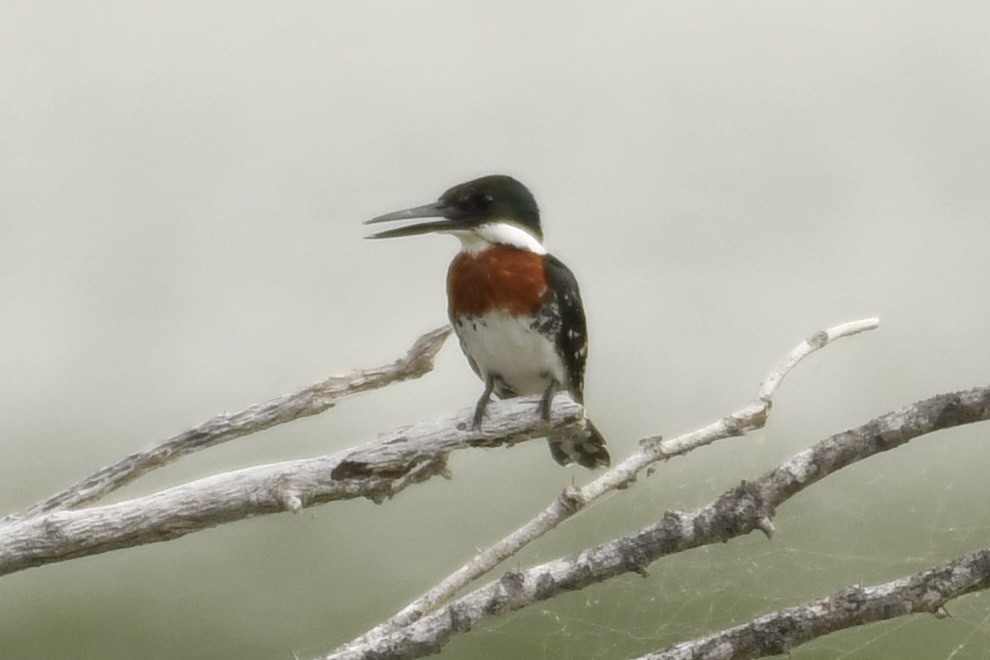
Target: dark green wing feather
x,y
572,335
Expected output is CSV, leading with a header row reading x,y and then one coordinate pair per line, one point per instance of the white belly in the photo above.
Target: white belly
x,y
511,350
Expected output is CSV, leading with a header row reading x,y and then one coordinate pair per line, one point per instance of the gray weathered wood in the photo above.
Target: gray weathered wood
x,y
746,508
780,632
310,400
651,451
377,470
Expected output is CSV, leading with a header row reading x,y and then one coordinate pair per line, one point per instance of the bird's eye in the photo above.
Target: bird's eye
x,y
473,200
483,200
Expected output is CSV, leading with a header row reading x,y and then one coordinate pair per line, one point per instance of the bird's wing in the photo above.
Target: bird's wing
x,y
572,338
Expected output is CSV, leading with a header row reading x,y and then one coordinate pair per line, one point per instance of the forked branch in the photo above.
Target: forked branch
x,y
741,510
308,401
652,450
376,470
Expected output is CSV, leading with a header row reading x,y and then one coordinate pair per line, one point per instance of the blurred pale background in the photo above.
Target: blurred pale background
x,y
181,191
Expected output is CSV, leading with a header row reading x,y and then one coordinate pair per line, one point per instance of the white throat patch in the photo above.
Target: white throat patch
x,y
501,233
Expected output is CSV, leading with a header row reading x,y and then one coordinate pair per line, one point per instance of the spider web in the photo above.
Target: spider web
x,y
885,518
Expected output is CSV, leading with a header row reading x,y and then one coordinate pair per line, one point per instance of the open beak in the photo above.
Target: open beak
x,y
434,210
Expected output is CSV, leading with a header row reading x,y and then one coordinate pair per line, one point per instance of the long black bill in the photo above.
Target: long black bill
x,y
434,210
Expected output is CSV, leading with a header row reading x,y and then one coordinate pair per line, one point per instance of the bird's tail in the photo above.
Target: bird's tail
x,y
586,448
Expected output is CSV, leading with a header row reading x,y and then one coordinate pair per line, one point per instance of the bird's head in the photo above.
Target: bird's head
x,y
492,209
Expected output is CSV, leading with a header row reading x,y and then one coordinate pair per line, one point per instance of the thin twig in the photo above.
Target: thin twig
x,y
744,509
308,401
652,449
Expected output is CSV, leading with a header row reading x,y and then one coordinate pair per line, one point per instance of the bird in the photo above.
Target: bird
x,y
516,308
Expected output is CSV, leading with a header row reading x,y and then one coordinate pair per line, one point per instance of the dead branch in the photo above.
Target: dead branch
x,y
308,401
54,530
780,632
748,507
652,449
377,470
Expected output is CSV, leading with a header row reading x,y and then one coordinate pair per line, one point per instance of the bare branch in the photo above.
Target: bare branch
x,y
739,511
376,470
780,632
652,450
308,401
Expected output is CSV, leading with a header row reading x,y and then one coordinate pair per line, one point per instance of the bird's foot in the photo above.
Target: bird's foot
x,y
545,402
479,414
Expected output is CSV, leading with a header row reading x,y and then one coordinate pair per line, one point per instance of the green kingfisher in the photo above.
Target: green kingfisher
x,y
516,308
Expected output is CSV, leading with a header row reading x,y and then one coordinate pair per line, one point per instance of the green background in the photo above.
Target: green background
x,y
181,191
